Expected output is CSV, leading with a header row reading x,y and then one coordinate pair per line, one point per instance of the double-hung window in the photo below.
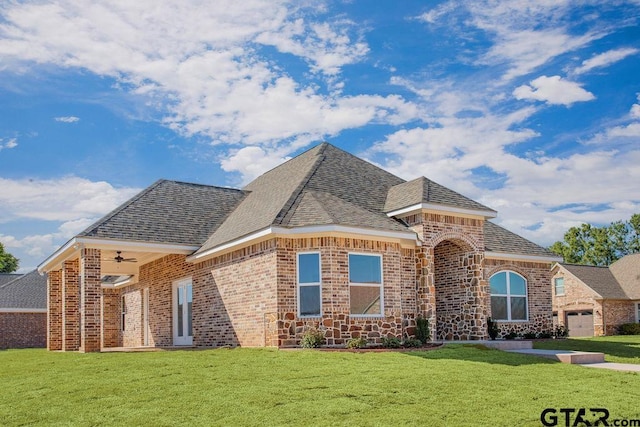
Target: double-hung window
x,y
508,296
309,284
559,285
365,285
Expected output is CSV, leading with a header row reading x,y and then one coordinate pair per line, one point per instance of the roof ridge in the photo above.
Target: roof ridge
x,y
198,184
18,276
287,211
121,207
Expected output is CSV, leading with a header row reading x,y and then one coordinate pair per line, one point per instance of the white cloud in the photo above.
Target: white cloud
x,y
67,119
251,162
605,59
11,143
553,90
635,109
64,199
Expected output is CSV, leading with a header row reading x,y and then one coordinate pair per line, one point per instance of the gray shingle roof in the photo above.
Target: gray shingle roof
x,y
499,239
27,291
8,277
423,190
169,212
600,279
627,272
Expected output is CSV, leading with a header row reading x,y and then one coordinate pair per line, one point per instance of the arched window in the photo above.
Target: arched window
x,y
508,296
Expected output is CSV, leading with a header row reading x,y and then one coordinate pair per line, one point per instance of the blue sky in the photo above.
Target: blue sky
x,y
530,107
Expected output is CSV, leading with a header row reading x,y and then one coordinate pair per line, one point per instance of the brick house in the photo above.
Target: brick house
x,y
324,240
592,300
23,310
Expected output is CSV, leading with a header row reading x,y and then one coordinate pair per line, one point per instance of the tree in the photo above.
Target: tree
x,y
8,263
591,245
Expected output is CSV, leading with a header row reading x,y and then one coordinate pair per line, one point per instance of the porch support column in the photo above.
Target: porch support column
x,y
426,292
71,306
54,310
481,299
90,298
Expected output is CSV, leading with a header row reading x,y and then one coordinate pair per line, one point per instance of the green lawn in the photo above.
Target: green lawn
x,y
453,386
617,348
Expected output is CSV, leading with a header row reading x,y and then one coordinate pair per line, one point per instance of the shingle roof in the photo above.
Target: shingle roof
x,y
600,279
8,277
27,291
499,239
423,190
285,196
169,212
627,272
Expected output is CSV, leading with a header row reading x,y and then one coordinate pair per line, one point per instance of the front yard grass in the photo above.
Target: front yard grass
x,y
617,348
461,385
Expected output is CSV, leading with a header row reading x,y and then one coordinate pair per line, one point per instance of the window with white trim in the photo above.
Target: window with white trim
x,y
559,285
508,296
638,312
309,284
365,285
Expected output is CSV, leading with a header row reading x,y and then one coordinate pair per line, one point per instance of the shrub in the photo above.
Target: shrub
x,y
511,335
492,329
545,335
422,330
529,335
561,332
629,329
312,338
412,343
391,342
357,342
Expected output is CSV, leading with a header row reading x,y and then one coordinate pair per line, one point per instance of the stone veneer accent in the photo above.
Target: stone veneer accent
x,y
23,330
538,278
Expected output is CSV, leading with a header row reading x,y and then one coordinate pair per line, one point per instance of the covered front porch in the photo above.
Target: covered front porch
x,y
101,294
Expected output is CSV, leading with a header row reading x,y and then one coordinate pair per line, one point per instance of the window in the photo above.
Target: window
x,y
365,285
508,296
638,312
559,285
309,295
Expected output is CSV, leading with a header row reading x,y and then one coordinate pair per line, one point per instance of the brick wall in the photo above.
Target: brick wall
x,y
539,297
23,330
111,323
577,297
54,310
617,313
284,326
71,305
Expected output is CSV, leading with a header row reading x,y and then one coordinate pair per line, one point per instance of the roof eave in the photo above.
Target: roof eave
x,y
70,248
433,207
521,257
409,237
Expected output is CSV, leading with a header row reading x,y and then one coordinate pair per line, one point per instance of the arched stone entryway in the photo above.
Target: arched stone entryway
x,y
460,291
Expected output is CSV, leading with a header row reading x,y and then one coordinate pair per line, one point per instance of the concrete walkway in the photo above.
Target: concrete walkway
x,y
582,358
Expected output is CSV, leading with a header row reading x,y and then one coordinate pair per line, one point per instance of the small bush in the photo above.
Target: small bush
x,y
391,342
511,336
561,332
422,330
629,329
357,342
492,329
545,335
312,338
412,343
530,335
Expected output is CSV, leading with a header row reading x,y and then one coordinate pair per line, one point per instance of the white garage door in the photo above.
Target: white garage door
x,y
580,324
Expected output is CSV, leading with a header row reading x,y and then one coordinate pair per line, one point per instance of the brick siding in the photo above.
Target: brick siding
x,y
23,330
577,297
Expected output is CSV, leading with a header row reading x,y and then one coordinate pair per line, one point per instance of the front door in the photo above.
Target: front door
x,y
182,300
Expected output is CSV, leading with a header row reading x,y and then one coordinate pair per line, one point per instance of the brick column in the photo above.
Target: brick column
x,y
71,306
111,331
90,299
54,310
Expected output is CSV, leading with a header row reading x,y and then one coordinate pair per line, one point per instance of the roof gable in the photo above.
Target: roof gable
x,y
600,279
27,291
168,212
424,191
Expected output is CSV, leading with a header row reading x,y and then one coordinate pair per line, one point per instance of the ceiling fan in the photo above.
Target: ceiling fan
x,y
119,258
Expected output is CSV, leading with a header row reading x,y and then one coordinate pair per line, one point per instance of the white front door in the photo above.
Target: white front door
x,y
182,300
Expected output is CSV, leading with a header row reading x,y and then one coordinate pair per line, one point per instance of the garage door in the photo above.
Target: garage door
x,y
580,324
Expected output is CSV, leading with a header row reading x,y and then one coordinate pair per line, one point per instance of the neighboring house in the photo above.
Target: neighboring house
x,y
596,300
23,310
324,240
